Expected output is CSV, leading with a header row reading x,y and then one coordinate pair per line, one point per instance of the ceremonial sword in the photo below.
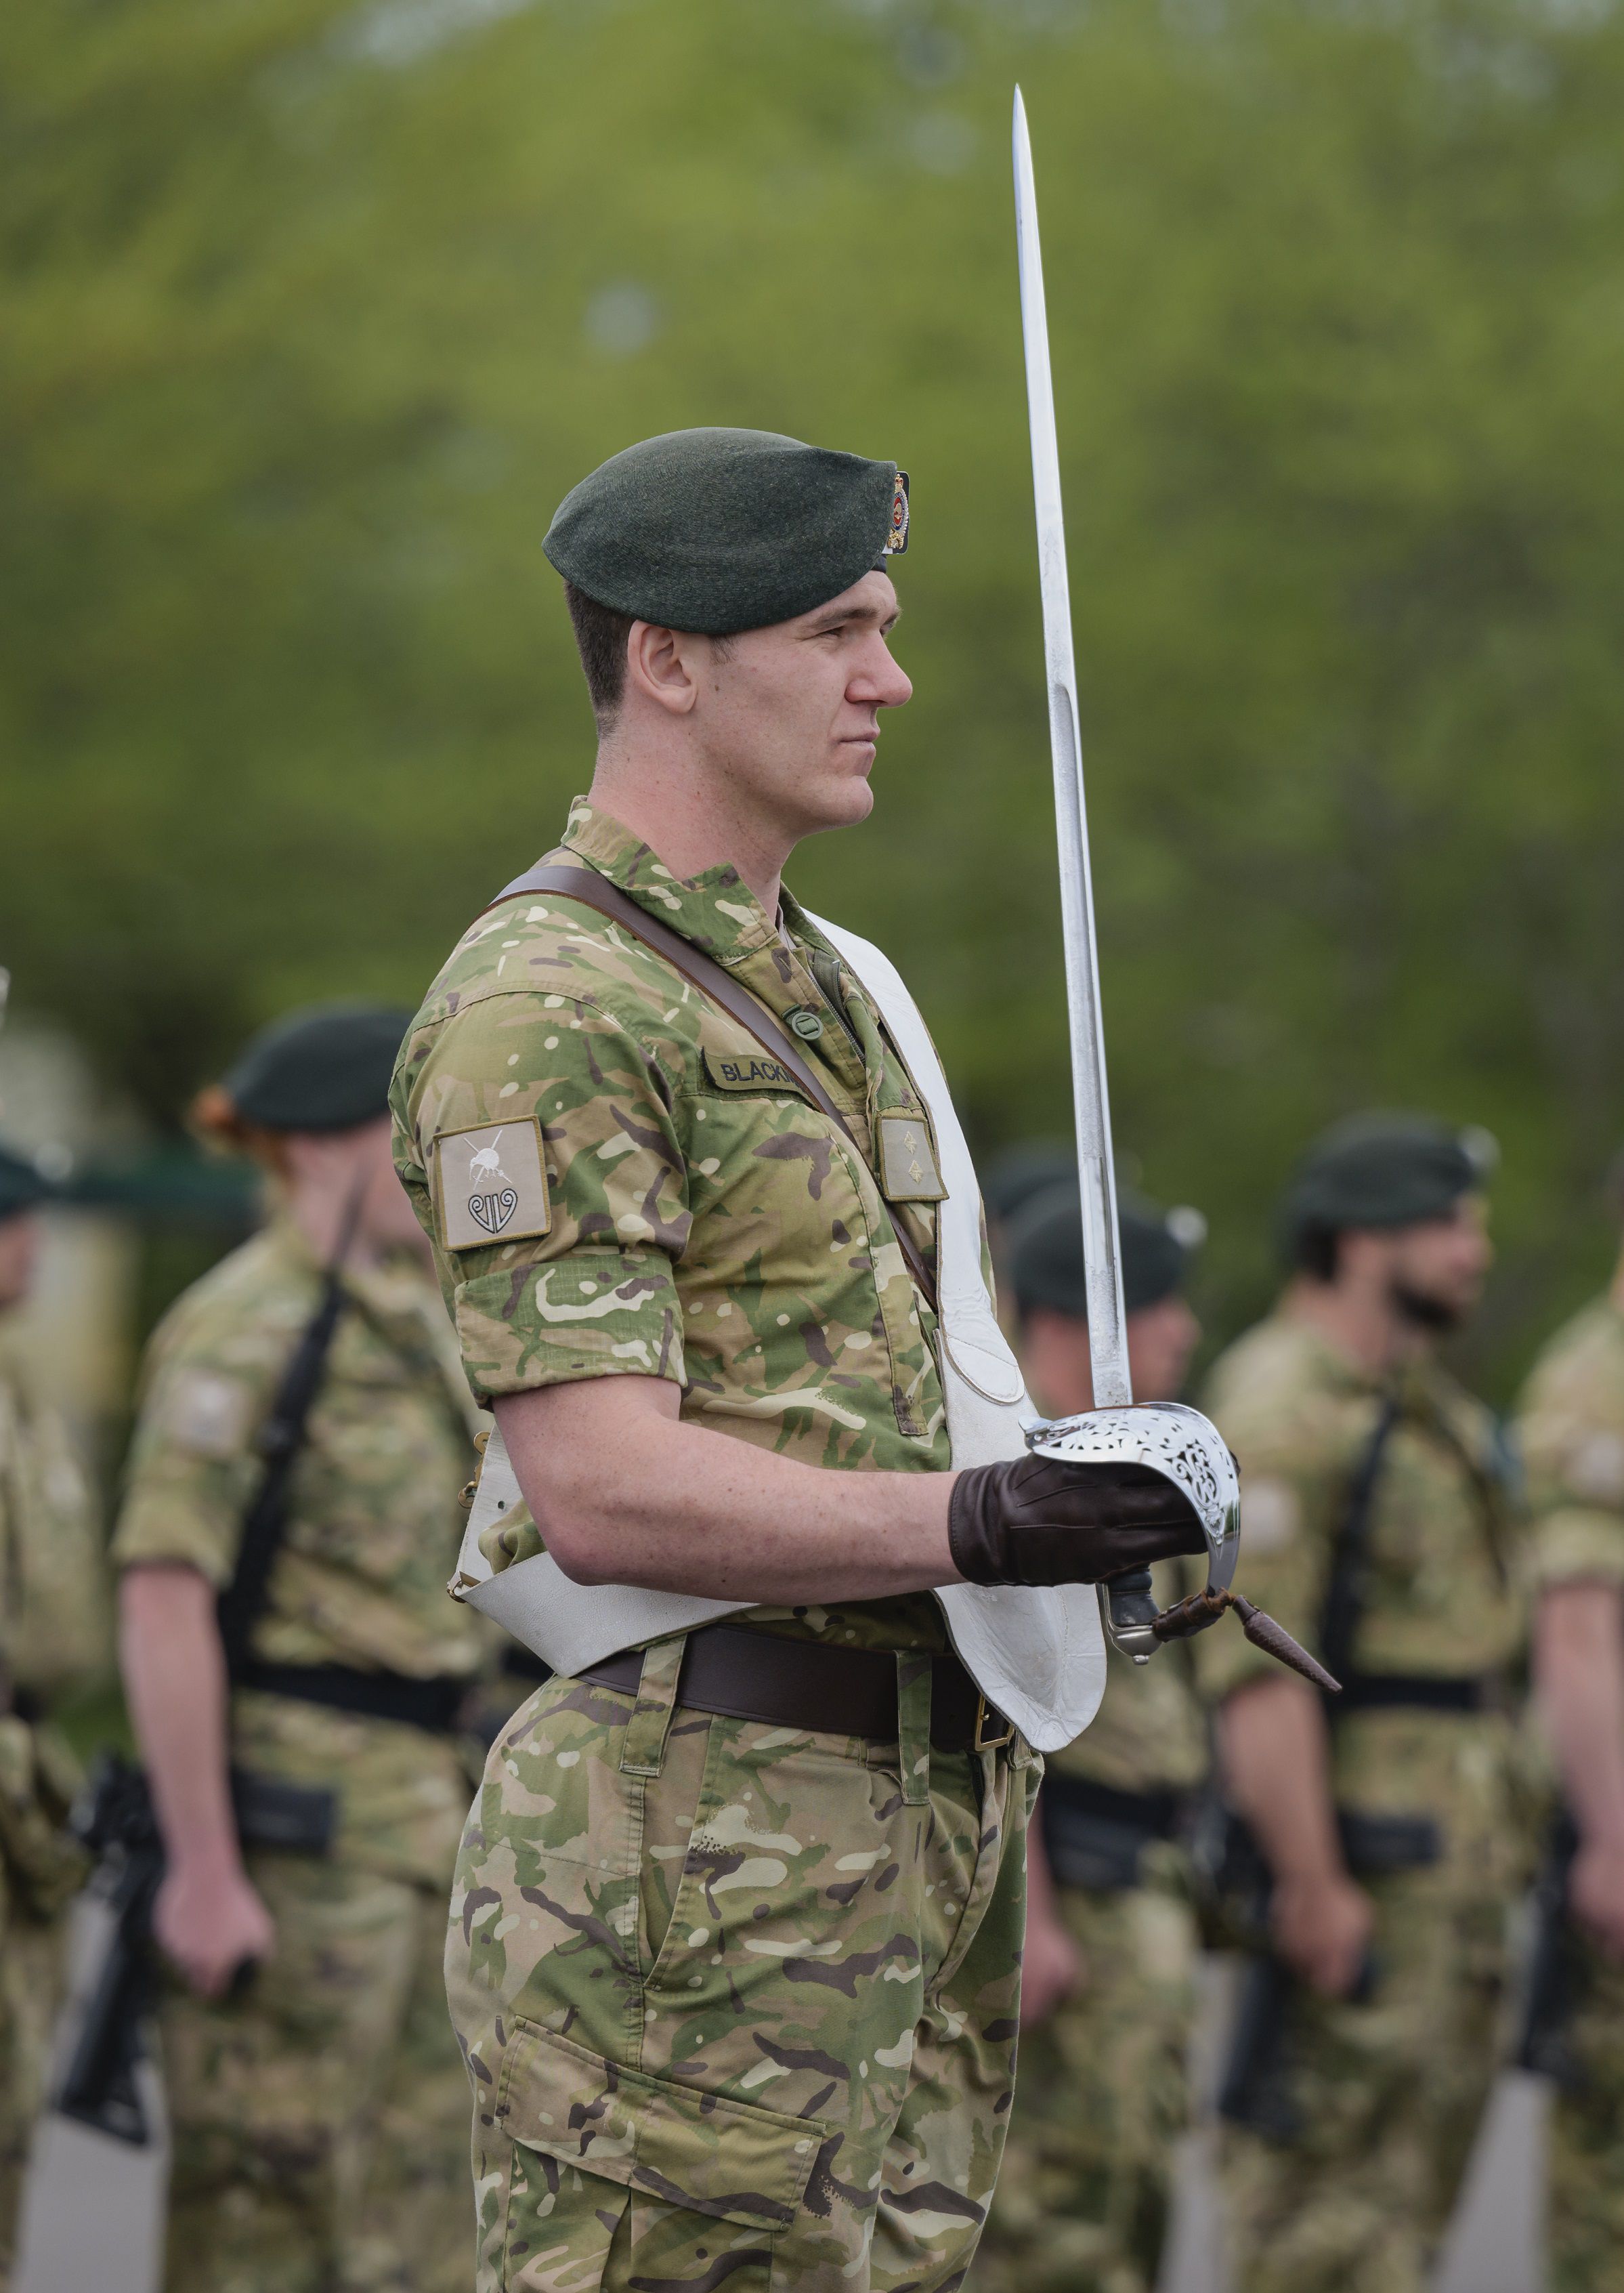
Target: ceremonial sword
x,y
1168,1438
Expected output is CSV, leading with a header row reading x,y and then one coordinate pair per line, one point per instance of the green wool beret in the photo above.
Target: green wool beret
x,y
1020,1174
1383,1170
327,1068
719,531
1045,1252
23,1185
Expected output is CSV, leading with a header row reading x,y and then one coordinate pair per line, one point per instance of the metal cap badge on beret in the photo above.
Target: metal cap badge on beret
x,y
326,1068
1383,1170
719,531
1045,1252
23,1185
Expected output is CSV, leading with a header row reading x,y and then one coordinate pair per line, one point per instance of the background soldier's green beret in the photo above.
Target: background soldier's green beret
x,y
1020,1174
718,530
23,1185
327,1068
1383,1170
1045,1252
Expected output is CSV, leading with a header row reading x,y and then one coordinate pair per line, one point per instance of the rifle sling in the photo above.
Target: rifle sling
x,y
264,1521
1339,1622
595,891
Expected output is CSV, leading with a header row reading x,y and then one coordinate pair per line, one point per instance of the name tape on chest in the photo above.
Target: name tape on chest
x,y
749,1071
908,1160
491,1184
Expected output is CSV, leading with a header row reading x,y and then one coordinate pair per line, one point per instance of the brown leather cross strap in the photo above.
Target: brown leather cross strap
x,y
595,891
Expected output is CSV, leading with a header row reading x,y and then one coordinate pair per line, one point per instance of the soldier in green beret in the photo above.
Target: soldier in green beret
x,y
303,1682
1378,1526
1108,1972
53,1637
1570,1434
736,1928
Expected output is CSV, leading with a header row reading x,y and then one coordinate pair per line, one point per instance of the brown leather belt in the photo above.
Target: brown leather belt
x,y
836,1691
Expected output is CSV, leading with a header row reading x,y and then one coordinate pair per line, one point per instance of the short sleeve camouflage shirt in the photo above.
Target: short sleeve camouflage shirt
x,y
373,1511
1439,1590
703,1220
55,1630
1149,1733
1571,1432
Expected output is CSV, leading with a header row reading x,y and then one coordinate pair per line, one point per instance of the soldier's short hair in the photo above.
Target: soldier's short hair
x,y
601,634
599,638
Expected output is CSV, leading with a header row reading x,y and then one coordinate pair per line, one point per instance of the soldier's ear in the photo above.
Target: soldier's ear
x,y
660,666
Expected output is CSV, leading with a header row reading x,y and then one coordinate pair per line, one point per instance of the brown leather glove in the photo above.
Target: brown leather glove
x,y
1045,1520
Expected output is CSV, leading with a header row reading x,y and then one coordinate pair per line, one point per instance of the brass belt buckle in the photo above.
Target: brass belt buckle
x,y
983,1742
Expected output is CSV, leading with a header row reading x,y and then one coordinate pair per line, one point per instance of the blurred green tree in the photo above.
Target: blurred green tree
x,y
312,310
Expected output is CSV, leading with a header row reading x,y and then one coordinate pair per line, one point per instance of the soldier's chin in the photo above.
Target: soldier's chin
x,y
837,799
1425,1311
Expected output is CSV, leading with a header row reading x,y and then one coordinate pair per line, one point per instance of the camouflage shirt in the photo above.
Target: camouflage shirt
x,y
1149,1733
1439,1587
1571,1432
53,1599
691,1214
372,1520
54,1636
1439,1594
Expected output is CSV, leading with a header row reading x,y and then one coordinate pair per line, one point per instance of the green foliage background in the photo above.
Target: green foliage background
x,y
312,310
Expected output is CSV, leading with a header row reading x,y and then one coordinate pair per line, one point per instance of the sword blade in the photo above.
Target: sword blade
x,y
1097,1173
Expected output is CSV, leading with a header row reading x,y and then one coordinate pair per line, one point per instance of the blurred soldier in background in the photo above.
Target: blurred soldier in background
x,y
1013,1181
54,1635
318,2100
1107,1976
1571,1433
1377,1527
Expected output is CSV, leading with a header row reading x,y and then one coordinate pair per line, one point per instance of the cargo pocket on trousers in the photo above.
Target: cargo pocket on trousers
x,y
692,2149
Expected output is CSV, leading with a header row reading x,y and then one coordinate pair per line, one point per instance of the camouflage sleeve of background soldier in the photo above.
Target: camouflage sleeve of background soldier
x,y
1570,1434
207,1383
64,1637
555,1100
1292,1441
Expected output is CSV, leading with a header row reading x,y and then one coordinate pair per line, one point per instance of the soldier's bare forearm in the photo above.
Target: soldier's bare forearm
x,y
1275,1756
174,1680
1579,1671
1274,1747
623,1493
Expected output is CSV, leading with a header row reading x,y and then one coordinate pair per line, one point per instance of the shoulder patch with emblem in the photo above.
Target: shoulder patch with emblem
x,y
1270,1516
491,1184
1597,1469
908,1160
748,1071
204,1412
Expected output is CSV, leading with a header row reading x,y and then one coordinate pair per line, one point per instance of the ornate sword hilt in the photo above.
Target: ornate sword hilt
x,y
1188,1450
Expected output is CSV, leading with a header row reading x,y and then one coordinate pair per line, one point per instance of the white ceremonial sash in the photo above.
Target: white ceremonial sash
x,y
1037,1653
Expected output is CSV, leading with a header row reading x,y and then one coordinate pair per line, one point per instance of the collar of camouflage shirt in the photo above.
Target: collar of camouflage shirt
x,y
716,910
1423,1388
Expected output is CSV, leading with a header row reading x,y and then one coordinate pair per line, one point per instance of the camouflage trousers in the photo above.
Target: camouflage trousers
x,y
32,1967
1586,2232
1388,2095
320,2123
739,2002
1084,2190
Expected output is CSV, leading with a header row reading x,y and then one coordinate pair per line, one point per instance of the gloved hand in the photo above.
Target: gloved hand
x,y
1046,1521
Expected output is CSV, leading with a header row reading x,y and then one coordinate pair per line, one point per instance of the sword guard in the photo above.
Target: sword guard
x,y
1171,1439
